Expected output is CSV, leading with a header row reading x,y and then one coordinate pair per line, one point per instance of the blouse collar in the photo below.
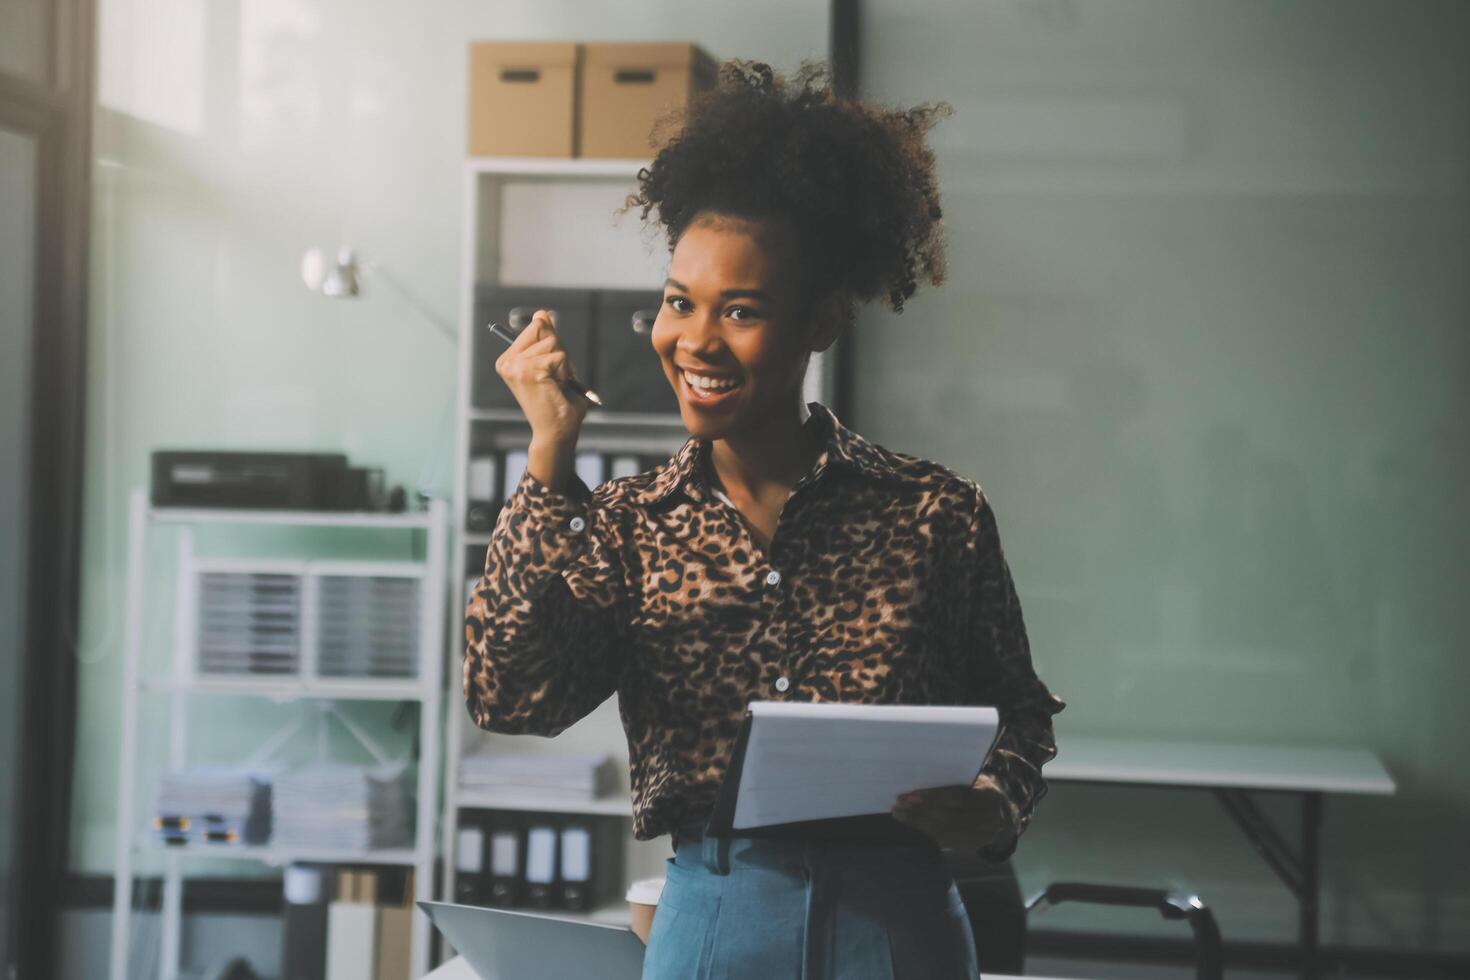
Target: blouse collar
x,y
841,447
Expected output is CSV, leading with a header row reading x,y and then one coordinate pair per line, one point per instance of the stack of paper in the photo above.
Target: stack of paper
x,y
552,777
359,808
218,807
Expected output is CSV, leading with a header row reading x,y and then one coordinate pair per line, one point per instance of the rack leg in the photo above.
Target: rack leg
x,y
172,915
127,768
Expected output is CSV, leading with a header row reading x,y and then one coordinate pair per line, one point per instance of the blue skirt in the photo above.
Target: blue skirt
x,y
744,907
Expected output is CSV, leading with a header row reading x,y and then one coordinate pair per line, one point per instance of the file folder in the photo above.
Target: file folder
x,y
469,859
576,860
541,859
506,857
304,923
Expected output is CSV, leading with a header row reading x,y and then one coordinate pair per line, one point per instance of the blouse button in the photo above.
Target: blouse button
x,y
773,577
577,524
782,683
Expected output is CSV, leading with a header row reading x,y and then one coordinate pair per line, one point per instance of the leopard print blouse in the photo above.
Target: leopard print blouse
x,y
884,583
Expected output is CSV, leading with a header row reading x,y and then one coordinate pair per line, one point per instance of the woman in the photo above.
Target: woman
x,y
777,555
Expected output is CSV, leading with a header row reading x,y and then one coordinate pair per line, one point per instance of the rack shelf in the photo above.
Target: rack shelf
x,y
290,690
416,521
611,806
545,222
542,221
594,419
281,856
183,681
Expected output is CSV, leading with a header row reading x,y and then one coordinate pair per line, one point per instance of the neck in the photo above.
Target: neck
x,y
772,452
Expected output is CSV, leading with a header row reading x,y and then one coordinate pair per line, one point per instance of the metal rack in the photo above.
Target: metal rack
x,y
542,221
182,681
527,220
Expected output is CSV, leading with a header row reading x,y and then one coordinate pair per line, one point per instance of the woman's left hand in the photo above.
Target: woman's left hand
x,y
957,816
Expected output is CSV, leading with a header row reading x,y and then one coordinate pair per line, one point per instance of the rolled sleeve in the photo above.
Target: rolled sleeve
x,y
1001,673
545,625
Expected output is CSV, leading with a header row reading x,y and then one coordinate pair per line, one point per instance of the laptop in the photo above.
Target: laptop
x,y
513,944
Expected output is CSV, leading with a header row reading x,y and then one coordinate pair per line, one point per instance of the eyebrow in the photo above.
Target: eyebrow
x,y
724,294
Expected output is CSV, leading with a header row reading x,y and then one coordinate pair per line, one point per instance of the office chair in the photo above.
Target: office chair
x,y
992,897
1209,963
998,916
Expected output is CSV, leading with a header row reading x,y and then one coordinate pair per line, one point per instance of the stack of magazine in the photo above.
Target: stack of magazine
x,y
214,807
348,807
568,778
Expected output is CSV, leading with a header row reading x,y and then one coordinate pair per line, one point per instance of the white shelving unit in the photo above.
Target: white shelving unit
x,y
182,682
545,222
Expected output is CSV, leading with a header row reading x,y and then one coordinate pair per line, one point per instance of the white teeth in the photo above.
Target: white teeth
x,y
710,384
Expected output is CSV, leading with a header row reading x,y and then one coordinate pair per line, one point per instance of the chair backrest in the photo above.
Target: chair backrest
x,y
992,898
1209,957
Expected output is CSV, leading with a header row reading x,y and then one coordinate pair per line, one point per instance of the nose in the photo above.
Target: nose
x,y
699,336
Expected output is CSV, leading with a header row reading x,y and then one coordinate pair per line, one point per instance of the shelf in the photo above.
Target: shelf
x,y
594,419
269,854
179,680
415,520
561,167
610,805
291,690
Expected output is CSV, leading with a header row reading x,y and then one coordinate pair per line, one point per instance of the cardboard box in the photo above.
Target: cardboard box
x,y
626,87
522,98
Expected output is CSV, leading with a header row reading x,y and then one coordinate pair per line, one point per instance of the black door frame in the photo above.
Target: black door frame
x,y
57,112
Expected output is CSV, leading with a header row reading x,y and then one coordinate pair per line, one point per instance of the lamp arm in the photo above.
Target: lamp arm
x,y
408,297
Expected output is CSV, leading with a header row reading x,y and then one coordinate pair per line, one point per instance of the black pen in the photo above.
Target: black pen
x,y
572,383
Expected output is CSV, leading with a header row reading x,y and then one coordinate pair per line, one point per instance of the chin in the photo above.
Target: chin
x,y
703,426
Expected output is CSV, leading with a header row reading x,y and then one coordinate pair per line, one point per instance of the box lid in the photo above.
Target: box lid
x,y
526,52
632,54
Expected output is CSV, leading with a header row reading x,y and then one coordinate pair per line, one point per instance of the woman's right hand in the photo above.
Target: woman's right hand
x,y
534,368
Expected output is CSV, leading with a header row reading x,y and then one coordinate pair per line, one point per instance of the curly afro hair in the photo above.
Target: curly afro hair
x,y
856,179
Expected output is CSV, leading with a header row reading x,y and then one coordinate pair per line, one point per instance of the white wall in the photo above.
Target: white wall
x,y
1205,343
231,136
1182,232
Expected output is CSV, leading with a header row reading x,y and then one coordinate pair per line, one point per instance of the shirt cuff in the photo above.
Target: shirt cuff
x,y
558,524
1001,848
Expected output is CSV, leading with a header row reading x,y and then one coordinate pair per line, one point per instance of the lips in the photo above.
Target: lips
x,y
700,388
701,372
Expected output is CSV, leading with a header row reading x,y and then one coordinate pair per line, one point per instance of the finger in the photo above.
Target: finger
x,y
538,328
919,821
542,325
554,366
906,815
965,797
550,342
952,796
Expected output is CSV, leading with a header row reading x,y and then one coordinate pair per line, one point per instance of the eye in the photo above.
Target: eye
x,y
754,313
672,300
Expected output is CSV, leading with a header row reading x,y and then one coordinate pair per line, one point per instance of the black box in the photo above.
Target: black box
x,y
245,480
494,303
629,375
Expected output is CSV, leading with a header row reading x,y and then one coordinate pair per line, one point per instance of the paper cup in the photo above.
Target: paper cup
x,y
643,897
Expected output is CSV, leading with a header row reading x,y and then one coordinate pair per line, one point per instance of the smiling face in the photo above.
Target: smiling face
x,y
729,331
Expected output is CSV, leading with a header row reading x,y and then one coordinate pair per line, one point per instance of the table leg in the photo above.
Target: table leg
x,y
1300,872
1311,863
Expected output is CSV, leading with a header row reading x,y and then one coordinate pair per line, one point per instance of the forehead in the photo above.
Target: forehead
x,y
724,251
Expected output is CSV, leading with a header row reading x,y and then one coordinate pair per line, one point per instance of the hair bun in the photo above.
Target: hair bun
x,y
755,75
